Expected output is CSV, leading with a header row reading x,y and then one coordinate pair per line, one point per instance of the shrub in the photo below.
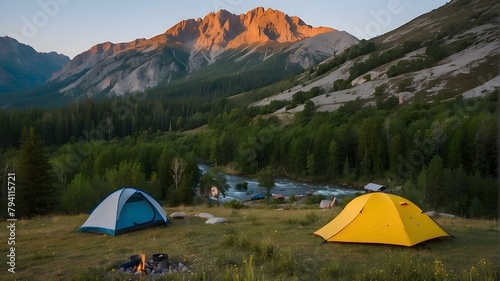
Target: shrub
x,y
234,204
312,217
314,199
404,85
346,201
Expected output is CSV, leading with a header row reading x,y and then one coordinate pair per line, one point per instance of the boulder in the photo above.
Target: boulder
x,y
445,215
431,213
205,215
435,214
216,220
163,264
178,215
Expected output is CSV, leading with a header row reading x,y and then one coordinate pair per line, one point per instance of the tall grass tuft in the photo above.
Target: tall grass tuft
x,y
99,274
253,220
249,270
264,251
309,219
333,271
236,240
285,263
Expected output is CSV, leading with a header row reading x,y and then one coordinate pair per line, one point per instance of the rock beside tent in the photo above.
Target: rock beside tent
x,y
178,215
433,214
216,220
205,215
211,219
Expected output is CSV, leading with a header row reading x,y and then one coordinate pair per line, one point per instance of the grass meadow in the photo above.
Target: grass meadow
x,y
256,244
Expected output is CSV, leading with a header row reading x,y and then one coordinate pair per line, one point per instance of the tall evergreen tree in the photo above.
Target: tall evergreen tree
x,y
395,153
36,189
368,147
435,181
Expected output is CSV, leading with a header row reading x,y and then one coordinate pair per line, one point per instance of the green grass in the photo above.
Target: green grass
x,y
257,244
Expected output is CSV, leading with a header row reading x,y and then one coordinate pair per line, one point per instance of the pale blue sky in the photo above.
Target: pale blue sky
x,y
73,26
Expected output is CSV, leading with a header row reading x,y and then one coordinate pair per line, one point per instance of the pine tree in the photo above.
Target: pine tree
x,y
395,153
332,158
435,181
36,191
368,148
311,165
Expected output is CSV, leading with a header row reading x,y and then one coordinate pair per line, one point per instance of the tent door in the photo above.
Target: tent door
x,y
136,211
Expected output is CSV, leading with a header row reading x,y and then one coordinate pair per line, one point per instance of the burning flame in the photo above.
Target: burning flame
x,y
142,264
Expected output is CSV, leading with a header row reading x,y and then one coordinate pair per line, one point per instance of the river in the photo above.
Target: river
x,y
283,186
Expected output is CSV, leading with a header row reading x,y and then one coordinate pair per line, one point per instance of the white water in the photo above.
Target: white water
x,y
283,186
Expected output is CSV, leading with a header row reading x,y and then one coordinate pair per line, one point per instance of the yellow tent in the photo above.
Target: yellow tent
x,y
381,218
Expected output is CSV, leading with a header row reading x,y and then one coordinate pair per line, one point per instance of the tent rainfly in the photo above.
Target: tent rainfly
x,y
373,187
125,210
381,218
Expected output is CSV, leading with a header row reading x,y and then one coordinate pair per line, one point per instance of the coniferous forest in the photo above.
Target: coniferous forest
x,y
441,155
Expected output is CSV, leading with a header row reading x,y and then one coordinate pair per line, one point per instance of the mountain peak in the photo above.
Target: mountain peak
x,y
189,45
224,30
22,67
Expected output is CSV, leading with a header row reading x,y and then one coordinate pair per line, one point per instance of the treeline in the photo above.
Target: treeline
x,y
107,119
441,156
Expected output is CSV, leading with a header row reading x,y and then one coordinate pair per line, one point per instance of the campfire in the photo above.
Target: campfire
x,y
142,264
159,264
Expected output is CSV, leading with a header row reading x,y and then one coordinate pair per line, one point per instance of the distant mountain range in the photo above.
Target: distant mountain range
x,y
218,39
21,67
447,52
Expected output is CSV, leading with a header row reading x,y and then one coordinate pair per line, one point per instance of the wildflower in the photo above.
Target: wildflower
x,y
482,262
439,270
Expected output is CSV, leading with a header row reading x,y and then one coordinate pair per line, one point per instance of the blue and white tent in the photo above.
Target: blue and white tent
x,y
125,210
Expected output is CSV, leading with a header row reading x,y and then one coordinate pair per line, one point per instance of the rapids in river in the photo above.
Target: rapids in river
x,y
282,186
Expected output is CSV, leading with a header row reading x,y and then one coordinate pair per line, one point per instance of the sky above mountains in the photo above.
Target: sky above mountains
x,y
73,26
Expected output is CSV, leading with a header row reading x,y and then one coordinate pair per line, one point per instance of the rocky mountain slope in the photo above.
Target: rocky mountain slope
x,y
451,51
222,37
22,67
